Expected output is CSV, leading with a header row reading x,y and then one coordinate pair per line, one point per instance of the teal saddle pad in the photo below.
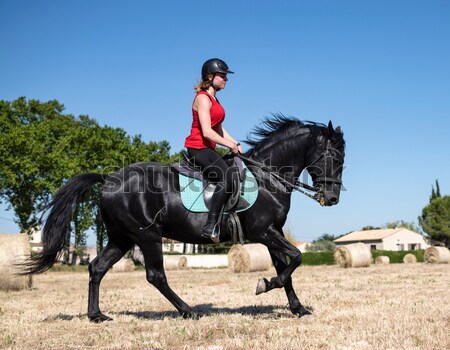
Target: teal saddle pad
x,y
191,191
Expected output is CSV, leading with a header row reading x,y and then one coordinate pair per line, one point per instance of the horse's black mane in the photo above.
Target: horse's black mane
x,y
274,126
277,127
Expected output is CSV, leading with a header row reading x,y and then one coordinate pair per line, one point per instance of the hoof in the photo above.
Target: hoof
x,y
99,318
302,313
262,286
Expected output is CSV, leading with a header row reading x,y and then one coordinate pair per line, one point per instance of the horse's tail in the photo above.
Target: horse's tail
x,y
57,225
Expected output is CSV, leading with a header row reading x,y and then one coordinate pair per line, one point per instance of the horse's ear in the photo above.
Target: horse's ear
x,y
330,128
338,130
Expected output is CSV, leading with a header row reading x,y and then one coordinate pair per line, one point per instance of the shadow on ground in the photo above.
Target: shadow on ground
x,y
63,317
203,310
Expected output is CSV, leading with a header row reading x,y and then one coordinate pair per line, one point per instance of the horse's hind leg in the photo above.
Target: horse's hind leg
x,y
154,267
111,254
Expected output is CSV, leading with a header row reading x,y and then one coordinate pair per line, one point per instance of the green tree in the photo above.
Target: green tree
x,y
326,237
435,193
435,220
408,225
41,148
323,243
93,148
369,227
29,131
321,246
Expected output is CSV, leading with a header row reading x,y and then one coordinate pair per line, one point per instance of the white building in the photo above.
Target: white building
x,y
36,240
170,245
386,239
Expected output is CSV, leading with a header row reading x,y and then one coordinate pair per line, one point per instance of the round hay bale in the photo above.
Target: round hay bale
x,y
382,260
353,255
124,265
249,258
437,255
175,262
14,249
409,259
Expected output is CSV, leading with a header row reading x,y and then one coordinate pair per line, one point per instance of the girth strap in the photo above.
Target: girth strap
x,y
235,229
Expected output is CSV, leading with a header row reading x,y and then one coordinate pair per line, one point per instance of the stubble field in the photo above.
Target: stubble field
x,y
380,307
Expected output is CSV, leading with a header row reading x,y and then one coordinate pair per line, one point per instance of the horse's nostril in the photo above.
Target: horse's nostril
x,y
333,200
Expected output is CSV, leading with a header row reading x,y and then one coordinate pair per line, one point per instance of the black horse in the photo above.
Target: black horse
x,y
141,203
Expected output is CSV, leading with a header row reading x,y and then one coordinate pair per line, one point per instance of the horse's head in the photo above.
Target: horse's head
x,y
325,163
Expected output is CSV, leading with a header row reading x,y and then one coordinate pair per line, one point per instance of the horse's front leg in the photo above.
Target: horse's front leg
x,y
280,250
280,263
276,243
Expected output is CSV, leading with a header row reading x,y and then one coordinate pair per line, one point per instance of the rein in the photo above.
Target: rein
x,y
298,185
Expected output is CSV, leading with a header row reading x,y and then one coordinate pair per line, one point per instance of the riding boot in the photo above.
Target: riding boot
x,y
211,230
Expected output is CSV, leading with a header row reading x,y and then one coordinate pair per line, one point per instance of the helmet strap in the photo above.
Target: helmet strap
x,y
212,83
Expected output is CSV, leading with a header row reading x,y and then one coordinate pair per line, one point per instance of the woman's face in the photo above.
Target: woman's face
x,y
220,80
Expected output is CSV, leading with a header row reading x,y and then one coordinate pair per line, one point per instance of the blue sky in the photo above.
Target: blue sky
x,y
379,69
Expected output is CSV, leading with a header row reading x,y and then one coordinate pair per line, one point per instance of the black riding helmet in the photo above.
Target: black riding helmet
x,y
214,66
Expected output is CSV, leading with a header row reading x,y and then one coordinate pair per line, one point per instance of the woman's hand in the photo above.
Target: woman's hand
x,y
237,148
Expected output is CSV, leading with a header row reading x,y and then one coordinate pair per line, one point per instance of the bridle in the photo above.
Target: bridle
x,y
328,153
318,190
322,181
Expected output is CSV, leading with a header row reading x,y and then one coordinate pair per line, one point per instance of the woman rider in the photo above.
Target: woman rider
x,y
207,131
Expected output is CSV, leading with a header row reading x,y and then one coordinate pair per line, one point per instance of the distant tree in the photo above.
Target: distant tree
x,y
321,246
323,243
435,193
222,150
367,228
325,237
435,220
408,225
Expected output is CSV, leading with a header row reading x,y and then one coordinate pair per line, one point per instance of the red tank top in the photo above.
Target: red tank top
x,y
195,138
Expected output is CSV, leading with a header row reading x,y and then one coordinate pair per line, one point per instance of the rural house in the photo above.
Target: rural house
x,y
386,239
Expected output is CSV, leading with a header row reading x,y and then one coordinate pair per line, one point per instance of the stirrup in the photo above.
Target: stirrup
x,y
215,233
214,236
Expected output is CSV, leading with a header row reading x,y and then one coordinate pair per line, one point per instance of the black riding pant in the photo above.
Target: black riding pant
x,y
217,171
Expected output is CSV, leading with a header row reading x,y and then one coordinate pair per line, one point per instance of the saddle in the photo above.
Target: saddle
x,y
197,191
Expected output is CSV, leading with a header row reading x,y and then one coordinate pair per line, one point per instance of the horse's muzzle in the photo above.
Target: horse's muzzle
x,y
327,198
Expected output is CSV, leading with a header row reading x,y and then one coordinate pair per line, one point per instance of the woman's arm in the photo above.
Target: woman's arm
x,y
203,108
227,136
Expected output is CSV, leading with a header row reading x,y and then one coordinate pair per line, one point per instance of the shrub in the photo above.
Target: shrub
x,y
69,268
318,258
321,246
327,258
396,257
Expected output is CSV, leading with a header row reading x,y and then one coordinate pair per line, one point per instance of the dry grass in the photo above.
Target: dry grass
x,y
381,307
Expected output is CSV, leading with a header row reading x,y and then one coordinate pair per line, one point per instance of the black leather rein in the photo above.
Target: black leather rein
x,y
298,185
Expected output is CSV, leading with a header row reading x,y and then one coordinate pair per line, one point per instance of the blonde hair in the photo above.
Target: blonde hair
x,y
203,85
